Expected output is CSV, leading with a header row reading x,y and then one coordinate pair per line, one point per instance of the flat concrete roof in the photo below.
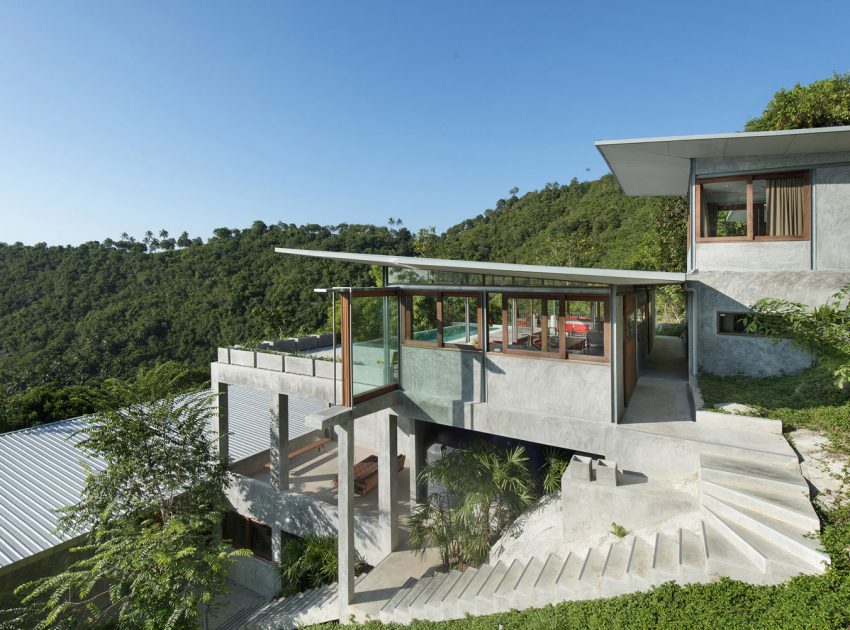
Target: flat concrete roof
x,y
661,166
542,272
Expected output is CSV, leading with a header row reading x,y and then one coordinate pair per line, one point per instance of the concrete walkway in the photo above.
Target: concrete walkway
x,y
397,570
661,394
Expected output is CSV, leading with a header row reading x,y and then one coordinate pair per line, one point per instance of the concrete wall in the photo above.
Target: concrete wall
x,y
257,575
743,255
579,389
300,514
832,220
830,178
443,373
736,292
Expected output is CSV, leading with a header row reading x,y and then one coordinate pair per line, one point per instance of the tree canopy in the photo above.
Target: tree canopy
x,y
824,103
151,556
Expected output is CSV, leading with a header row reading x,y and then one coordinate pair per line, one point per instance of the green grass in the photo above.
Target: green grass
x,y
807,400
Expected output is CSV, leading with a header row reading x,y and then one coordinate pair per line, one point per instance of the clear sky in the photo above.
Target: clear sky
x,y
128,116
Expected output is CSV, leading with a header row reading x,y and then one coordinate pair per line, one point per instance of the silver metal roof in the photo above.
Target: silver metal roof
x,y
661,166
543,272
41,468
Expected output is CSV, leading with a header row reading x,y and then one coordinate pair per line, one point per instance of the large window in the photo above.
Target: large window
x,y
442,320
753,207
245,533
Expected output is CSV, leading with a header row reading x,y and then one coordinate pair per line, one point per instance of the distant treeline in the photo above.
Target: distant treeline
x,y
72,316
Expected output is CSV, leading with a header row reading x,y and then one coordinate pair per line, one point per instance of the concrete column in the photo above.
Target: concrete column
x,y
345,508
277,547
222,423
415,456
387,486
279,446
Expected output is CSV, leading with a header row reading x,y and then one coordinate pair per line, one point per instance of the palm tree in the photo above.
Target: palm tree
x,y
485,489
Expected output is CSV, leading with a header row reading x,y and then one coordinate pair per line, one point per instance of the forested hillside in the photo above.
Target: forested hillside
x,y
72,316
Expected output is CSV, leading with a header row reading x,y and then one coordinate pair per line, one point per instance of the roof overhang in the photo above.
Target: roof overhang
x,y
541,272
661,166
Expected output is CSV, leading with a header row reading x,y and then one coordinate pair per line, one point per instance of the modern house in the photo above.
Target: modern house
x,y
566,357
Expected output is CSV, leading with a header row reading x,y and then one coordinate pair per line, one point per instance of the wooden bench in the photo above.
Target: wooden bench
x,y
318,445
366,474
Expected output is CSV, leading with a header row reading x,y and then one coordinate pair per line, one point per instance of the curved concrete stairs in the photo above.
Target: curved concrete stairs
x,y
756,524
307,608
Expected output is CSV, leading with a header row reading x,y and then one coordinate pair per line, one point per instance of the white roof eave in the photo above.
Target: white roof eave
x,y
542,272
661,166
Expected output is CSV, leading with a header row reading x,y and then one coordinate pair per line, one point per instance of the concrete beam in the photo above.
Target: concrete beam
x,y
309,387
387,478
328,418
345,507
279,448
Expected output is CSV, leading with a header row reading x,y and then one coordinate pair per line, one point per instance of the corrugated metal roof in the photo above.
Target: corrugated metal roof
x,y
41,468
544,272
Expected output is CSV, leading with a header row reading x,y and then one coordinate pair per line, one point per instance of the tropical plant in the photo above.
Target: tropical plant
x,y
480,491
151,556
311,562
824,329
555,462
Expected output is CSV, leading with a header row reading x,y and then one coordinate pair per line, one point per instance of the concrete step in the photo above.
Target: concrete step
x,y
738,423
725,532
484,598
567,582
639,568
618,559
791,506
506,591
785,536
387,612
734,472
545,588
402,612
420,607
692,553
590,577
665,560
526,585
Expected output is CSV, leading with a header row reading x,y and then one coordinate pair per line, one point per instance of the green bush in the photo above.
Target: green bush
x,y
310,562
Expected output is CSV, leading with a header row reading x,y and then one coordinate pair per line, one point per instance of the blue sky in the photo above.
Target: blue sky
x,y
128,116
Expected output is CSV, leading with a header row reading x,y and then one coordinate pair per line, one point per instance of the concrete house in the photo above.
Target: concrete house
x,y
552,356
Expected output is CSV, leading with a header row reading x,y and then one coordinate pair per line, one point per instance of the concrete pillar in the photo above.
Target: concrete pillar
x,y
279,446
415,456
345,508
277,547
387,486
222,423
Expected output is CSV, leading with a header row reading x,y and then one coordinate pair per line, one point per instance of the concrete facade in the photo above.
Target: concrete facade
x,y
732,276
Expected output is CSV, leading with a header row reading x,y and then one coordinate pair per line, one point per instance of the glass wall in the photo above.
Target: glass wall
x,y
374,342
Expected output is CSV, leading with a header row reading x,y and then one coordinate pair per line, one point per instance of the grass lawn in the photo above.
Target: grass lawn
x,y
807,400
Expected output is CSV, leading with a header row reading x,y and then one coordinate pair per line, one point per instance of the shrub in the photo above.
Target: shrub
x,y
310,562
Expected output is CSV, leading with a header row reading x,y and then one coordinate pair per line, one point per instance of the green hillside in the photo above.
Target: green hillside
x,y
73,316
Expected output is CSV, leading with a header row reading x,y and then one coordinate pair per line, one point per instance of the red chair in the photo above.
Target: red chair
x,y
581,329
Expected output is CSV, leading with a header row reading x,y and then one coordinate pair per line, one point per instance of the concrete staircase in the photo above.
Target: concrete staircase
x,y
629,564
308,608
764,512
756,525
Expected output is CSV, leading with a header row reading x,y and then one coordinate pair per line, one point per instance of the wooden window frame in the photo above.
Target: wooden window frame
x,y
246,524
751,236
562,300
406,301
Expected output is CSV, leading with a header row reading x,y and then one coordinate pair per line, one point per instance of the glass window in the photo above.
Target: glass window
x,y
422,318
584,326
779,206
732,323
494,321
724,208
374,342
460,320
533,324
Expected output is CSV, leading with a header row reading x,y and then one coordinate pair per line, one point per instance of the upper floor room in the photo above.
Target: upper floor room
x,y
772,201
